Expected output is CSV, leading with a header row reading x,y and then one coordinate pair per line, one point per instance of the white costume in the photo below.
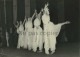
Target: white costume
x,y
51,31
29,34
20,31
26,36
38,40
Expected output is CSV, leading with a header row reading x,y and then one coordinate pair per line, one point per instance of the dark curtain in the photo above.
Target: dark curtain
x,y
2,20
72,14
20,10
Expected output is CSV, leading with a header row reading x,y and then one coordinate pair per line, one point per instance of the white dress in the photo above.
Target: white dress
x,y
26,36
29,35
20,31
53,30
45,20
38,39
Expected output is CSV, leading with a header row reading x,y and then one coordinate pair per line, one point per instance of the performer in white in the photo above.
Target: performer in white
x,y
20,31
51,31
25,34
30,31
37,40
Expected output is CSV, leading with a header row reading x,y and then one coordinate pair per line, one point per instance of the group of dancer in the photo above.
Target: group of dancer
x,y
32,38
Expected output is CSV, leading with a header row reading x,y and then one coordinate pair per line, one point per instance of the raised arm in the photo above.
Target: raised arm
x,y
39,15
46,9
34,14
24,20
46,5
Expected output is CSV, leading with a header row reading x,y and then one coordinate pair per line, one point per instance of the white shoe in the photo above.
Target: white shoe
x,y
18,47
47,53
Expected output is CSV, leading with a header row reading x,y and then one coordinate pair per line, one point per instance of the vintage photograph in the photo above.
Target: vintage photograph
x,y
39,28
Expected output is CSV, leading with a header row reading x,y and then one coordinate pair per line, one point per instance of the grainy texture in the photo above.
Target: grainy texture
x,y
63,50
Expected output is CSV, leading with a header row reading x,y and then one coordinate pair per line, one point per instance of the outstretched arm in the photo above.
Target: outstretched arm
x,y
67,22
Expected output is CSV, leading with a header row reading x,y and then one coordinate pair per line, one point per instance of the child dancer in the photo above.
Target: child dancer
x,y
30,31
38,40
25,34
20,31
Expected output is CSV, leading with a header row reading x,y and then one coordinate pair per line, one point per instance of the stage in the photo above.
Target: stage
x,y
62,50
12,11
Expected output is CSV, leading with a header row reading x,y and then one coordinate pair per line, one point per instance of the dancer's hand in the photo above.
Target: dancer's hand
x,y
47,4
67,22
35,11
42,10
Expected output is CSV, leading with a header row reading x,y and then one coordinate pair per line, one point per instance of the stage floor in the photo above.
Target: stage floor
x,y
62,50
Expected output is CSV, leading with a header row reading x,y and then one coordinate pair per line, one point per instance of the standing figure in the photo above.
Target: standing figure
x,y
51,30
38,40
25,34
20,31
29,27
45,20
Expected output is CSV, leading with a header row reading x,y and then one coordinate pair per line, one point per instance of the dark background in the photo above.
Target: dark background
x,y
60,11
63,10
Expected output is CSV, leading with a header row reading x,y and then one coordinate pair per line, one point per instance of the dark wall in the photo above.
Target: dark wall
x,y
2,20
32,6
9,13
20,10
6,18
72,13
79,20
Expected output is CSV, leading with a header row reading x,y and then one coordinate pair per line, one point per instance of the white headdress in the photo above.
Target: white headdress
x,y
46,10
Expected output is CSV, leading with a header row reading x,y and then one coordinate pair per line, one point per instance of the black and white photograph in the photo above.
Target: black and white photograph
x,y
39,28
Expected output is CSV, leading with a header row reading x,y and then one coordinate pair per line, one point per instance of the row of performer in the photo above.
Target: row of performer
x,y
31,38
